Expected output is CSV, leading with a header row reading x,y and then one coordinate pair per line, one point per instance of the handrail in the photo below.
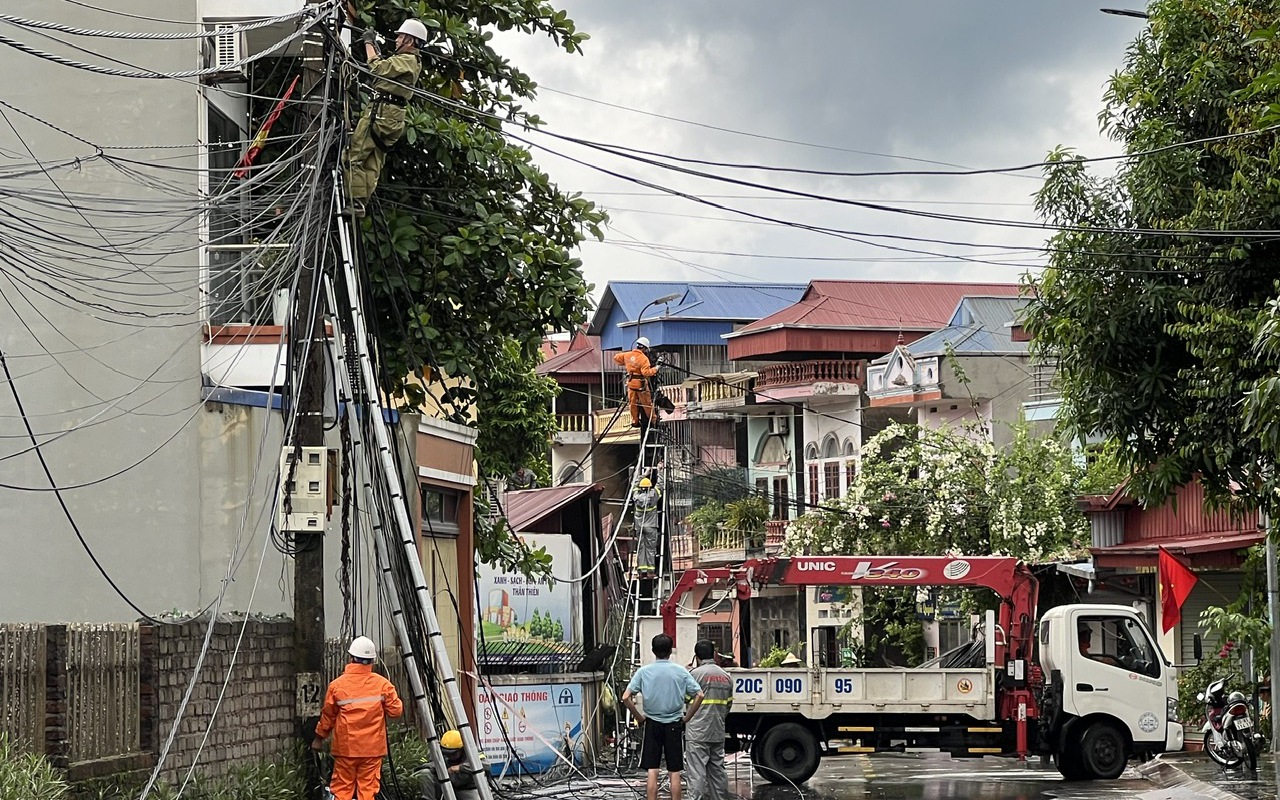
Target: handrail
x,y
795,373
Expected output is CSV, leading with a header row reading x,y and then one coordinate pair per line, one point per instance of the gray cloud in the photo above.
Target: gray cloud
x,y
979,82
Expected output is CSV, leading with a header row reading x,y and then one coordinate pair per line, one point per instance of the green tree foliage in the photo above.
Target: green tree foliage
x,y
470,246
935,491
924,491
1159,304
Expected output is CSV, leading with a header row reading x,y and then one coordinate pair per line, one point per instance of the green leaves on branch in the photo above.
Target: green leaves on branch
x,y
1160,318
936,491
470,247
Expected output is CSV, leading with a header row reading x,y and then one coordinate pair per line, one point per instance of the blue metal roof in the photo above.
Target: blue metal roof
x,y
979,326
714,305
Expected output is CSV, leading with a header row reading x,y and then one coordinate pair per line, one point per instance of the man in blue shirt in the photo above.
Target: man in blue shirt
x,y
665,686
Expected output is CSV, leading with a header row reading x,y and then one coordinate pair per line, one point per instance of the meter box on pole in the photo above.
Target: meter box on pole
x,y
302,502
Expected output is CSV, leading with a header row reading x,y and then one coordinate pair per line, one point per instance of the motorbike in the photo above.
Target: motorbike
x,y
1228,727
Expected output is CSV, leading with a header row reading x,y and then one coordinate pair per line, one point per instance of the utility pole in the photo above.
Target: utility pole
x,y
1273,612
307,345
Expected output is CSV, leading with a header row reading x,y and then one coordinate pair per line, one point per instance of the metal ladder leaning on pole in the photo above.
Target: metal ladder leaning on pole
x,y
395,490
652,454
415,671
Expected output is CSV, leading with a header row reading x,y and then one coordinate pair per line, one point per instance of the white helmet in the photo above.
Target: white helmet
x,y
642,342
363,647
415,29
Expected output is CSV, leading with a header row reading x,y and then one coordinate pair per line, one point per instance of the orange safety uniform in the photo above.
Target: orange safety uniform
x,y
355,710
639,371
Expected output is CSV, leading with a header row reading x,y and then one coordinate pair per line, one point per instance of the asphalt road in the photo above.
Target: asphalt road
x,y
1251,786
939,777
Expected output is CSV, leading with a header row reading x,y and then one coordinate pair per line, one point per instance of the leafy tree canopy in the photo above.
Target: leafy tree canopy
x,y
469,246
923,491
1160,300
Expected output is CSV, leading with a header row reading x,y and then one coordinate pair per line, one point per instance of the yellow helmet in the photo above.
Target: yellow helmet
x,y
452,740
645,483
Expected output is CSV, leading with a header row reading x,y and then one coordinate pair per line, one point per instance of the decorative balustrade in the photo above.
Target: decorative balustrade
x,y
718,390
775,530
573,423
798,373
675,392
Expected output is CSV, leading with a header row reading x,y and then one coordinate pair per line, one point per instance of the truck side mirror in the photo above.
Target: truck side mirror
x,y
1197,647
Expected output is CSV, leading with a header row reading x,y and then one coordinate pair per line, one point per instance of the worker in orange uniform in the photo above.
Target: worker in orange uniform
x,y
639,371
355,710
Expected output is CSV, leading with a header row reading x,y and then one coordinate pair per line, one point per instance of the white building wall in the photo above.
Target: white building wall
x,y
157,480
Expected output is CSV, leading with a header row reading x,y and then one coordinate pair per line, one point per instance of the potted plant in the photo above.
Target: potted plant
x,y
748,516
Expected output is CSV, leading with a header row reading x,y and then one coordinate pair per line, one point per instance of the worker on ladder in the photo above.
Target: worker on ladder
x,y
639,371
382,123
647,519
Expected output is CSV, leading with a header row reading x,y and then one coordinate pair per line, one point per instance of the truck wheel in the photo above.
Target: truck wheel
x,y
1068,764
1102,752
786,754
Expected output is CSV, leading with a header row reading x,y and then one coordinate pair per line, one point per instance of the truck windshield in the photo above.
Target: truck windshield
x,y
1120,642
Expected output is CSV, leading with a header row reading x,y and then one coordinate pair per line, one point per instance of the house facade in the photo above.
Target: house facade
x,y
971,375
1126,542
808,411
153,382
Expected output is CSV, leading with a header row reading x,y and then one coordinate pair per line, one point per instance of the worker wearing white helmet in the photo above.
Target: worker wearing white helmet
x,y
639,371
355,710
382,123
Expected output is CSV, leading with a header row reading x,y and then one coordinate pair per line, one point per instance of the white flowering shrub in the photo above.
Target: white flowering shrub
x,y
925,491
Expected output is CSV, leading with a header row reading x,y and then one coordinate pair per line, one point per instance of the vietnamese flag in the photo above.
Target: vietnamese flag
x,y
260,141
1176,582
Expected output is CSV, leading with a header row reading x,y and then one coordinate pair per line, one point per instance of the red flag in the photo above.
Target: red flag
x,y
260,141
1176,583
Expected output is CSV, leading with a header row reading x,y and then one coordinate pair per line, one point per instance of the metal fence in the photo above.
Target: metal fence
x,y
103,663
22,685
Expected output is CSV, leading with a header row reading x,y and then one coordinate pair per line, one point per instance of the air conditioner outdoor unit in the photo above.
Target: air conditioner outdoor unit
x,y
223,54
779,425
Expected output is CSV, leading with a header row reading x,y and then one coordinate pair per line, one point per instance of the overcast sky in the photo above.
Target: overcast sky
x,y
866,85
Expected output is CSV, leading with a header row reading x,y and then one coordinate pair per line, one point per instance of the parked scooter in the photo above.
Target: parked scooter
x,y
1228,727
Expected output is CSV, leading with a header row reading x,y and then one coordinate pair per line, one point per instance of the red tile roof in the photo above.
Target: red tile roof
x,y
896,305
579,356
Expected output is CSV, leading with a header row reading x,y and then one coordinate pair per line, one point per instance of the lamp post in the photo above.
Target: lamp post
x,y
666,298
1125,12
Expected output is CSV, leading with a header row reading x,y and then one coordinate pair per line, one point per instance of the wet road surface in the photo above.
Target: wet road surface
x,y
939,777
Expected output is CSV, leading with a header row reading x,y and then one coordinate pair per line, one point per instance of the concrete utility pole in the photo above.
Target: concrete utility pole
x,y
307,345
1273,613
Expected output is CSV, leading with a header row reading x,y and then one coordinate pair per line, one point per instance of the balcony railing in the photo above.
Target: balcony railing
x,y
725,546
775,530
573,423
615,429
729,390
799,373
676,392
1044,383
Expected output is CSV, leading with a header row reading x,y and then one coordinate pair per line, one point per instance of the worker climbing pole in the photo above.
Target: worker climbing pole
x,y
383,121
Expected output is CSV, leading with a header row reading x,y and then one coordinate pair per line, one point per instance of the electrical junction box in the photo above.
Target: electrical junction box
x,y
304,490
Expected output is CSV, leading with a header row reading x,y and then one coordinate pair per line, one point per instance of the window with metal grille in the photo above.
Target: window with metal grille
x,y
719,634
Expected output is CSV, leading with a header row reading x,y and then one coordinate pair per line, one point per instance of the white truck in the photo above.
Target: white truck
x,y
1091,701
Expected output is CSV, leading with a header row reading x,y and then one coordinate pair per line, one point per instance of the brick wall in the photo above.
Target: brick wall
x,y
255,719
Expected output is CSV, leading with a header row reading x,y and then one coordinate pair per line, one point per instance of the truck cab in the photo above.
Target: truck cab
x,y
1105,680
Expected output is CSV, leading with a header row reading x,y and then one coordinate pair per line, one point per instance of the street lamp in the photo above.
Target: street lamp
x,y
1125,12
666,298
